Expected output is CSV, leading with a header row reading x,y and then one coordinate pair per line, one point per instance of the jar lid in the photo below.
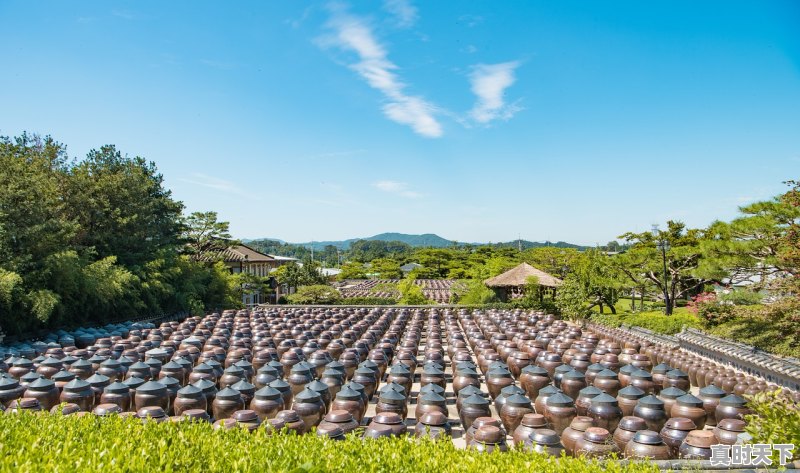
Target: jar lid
x,y
332,431
680,423
339,416
170,366
518,400
230,394
117,388
206,385
475,400
153,387
498,372
41,384
198,414
481,421
106,409
244,387
701,438
546,437
432,388
732,400
392,396
245,415
711,391
672,393
632,423
652,402
289,416
306,396
631,392
431,398
512,389
661,368
399,369
606,374
156,412
488,434
647,437
389,418
595,367
536,421
573,374
267,393
677,374
589,391
581,423
549,390
98,380
596,435
560,400
65,409
190,392
76,385
62,375
604,399
733,425
641,374
433,418
9,383
237,371
689,400
348,394
627,369
533,370
432,370
28,403
279,384
563,368
133,382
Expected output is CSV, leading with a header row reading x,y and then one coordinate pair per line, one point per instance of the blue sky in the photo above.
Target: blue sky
x,y
478,121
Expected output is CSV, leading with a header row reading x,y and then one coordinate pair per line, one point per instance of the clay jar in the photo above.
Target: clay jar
x,y
608,382
678,379
291,420
505,393
298,378
540,404
267,402
349,400
226,402
659,373
651,409
529,424
727,431
626,429
731,407
559,411
209,391
341,419
45,391
392,401
584,399
247,390
189,397
477,424
10,390
400,374
366,378
647,444
152,393
247,419
388,419
605,412
675,431
596,443
308,404
544,441
533,378
697,445
430,402
496,379
517,361
472,408
286,391
322,389
512,412
642,380
574,432
669,396
625,375
117,393
690,407
572,382
711,395
78,392
465,377
433,425
488,439
628,397
432,375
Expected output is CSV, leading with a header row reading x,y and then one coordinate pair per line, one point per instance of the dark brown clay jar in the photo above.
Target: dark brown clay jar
x,y
349,400
366,378
574,432
465,377
299,377
291,421
647,444
678,379
152,393
226,402
477,424
432,374
540,404
628,397
584,399
45,391
433,425
572,382
690,407
544,441
196,415
530,422
286,392
247,419
669,396
189,397
472,408
642,380
675,431
605,412
487,439
559,411
533,378
514,409
626,429
651,409
697,445
496,379
10,390
731,407
339,418
267,402
78,392
608,382
247,390
308,404
65,409
659,372
596,443
430,402
390,419
119,394
728,430
392,401
209,391
103,410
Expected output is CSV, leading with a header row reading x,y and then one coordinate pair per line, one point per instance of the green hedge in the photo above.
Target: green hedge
x,y
51,443
655,321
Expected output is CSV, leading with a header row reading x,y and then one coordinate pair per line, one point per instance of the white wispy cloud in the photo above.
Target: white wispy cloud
x,y
404,12
489,82
354,34
215,183
398,188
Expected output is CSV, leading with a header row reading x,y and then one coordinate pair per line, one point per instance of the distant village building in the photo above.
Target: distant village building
x,y
243,259
408,267
514,283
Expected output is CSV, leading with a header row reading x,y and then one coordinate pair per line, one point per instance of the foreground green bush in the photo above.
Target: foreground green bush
x,y
775,419
655,321
52,443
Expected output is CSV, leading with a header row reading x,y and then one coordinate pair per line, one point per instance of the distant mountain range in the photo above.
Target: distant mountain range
x,y
426,240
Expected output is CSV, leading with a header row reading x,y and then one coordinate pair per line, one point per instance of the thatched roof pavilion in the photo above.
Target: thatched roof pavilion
x,y
512,283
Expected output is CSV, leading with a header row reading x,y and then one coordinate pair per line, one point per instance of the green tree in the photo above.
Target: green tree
x,y
353,270
571,299
205,236
386,268
315,294
411,293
